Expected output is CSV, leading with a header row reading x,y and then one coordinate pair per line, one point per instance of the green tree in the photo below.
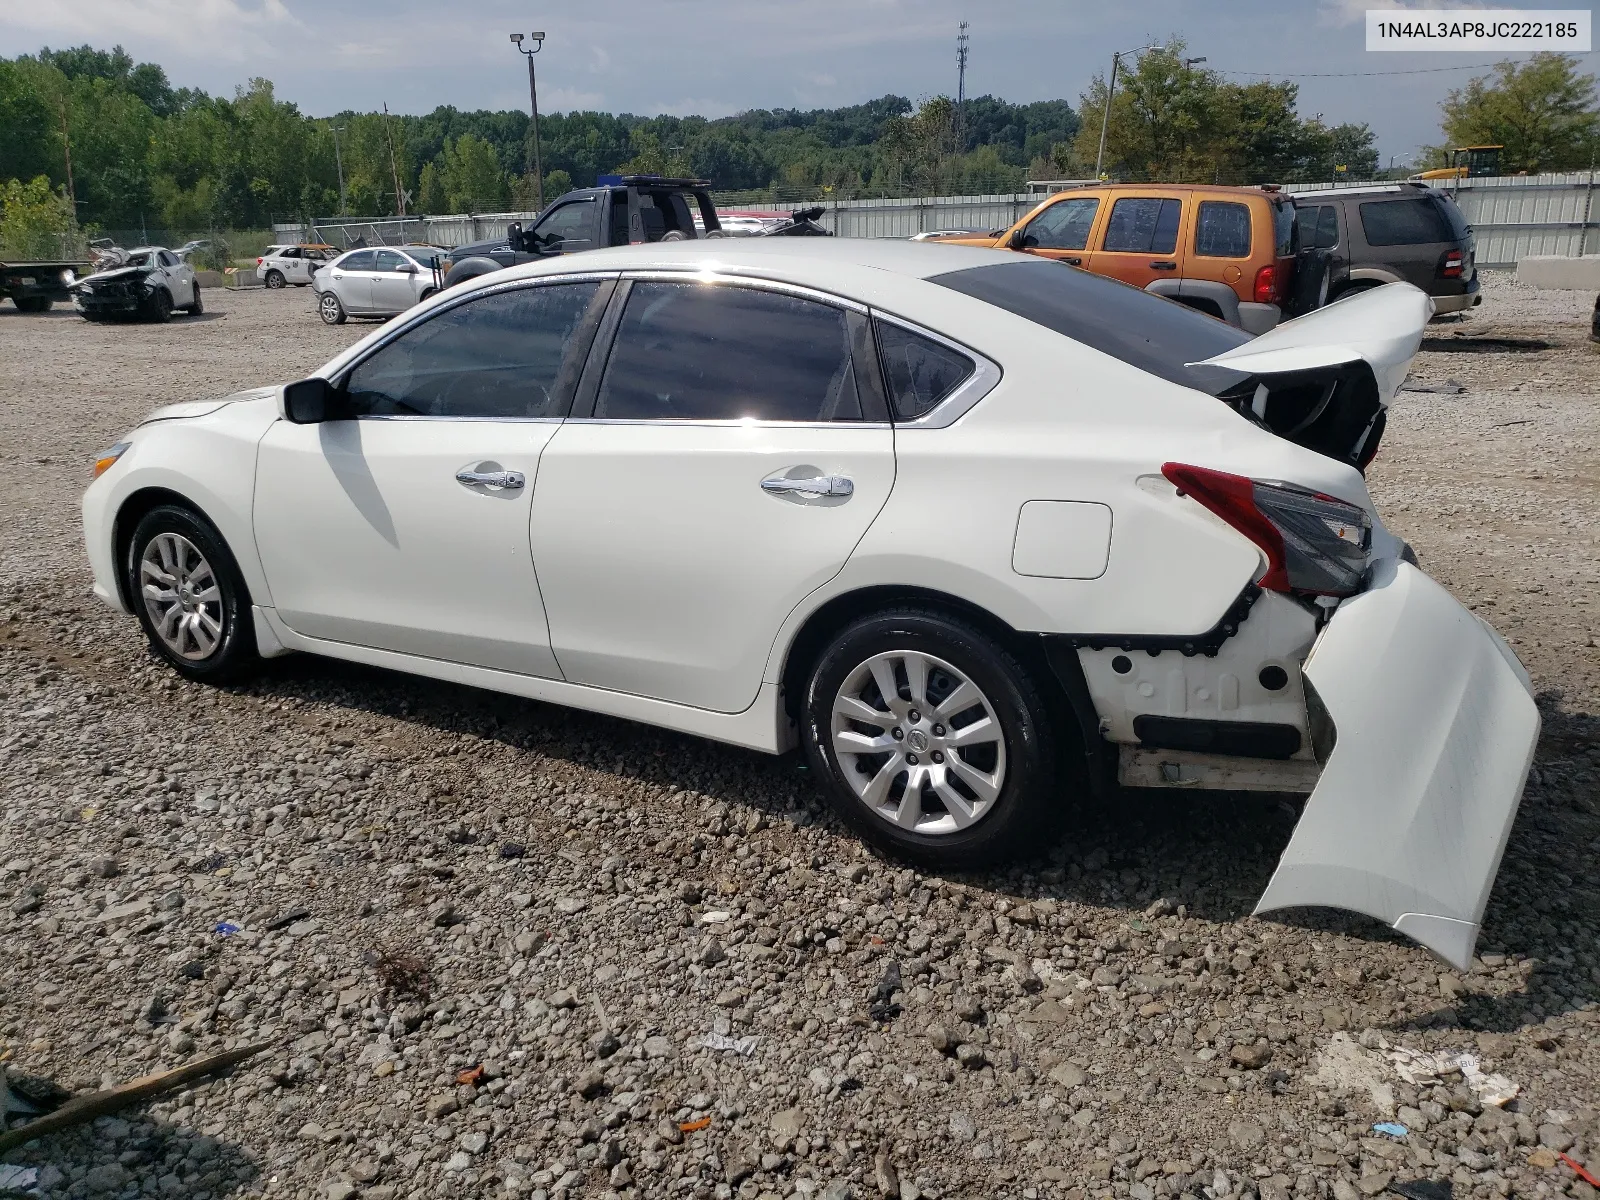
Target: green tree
x,y
36,222
472,178
1164,119
431,198
1542,111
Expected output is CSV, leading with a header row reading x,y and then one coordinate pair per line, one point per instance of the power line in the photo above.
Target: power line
x,y
1358,74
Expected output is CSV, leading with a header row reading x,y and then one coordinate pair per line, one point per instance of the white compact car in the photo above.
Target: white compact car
x,y
980,533
283,266
378,282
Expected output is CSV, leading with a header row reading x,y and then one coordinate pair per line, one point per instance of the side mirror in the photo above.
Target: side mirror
x,y
310,402
1018,239
409,269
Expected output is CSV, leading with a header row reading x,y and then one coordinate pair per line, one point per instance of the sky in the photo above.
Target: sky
x,y
717,57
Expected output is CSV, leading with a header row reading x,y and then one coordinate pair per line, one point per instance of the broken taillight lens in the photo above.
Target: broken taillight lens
x,y
1314,544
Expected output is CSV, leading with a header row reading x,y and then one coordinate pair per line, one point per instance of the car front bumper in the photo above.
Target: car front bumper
x,y
1434,732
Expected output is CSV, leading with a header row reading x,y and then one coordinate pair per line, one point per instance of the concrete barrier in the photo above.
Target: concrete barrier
x,y
210,279
1563,273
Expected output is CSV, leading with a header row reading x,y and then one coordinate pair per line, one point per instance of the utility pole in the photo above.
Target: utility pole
x,y
533,95
961,87
394,166
338,159
66,143
1105,115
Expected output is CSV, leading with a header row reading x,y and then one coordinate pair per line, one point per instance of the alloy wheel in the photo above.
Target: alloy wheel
x,y
918,742
182,596
330,307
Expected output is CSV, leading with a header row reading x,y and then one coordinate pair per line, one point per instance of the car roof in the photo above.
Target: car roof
x,y
1369,190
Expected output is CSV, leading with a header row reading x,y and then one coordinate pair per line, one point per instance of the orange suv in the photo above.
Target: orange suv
x,y
1227,251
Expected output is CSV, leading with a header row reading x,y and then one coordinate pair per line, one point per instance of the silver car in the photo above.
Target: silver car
x,y
377,282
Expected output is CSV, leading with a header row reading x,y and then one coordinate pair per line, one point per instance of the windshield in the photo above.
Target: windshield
x,y
146,258
1143,330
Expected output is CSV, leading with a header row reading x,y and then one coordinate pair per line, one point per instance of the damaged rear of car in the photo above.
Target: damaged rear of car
x,y
1340,669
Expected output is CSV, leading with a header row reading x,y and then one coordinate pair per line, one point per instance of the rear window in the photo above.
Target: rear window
x,y
1222,230
1145,331
1143,225
1411,222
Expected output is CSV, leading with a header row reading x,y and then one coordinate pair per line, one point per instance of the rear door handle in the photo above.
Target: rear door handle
x,y
1163,266
820,485
1072,262
499,479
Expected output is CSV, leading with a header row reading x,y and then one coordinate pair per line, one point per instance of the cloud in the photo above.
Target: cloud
x,y
233,29
1340,13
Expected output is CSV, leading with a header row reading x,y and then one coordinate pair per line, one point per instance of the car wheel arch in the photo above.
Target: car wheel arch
x,y
131,511
1059,677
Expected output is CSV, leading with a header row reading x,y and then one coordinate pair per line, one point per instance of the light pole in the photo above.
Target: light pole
x,y
338,159
1111,89
533,95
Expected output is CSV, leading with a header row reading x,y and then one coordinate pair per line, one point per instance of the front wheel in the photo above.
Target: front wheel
x,y
189,595
935,741
158,307
330,310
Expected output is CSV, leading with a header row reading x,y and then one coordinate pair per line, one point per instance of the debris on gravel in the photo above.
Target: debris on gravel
x,y
499,948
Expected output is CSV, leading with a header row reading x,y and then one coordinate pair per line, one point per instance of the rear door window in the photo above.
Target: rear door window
x,y
920,372
1222,229
693,352
1065,225
1411,222
1143,225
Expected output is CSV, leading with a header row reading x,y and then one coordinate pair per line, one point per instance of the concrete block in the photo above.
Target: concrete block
x,y
210,279
1560,272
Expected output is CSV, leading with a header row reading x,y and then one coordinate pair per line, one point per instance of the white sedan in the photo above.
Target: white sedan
x,y
980,534
381,281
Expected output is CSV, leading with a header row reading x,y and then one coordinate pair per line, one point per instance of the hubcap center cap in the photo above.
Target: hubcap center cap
x,y
917,740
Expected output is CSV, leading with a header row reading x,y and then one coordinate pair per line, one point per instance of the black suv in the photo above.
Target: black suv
x,y
622,210
1391,233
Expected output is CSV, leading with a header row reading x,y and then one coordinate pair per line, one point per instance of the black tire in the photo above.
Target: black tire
x,y
330,310
234,653
274,280
32,304
199,306
1030,801
158,306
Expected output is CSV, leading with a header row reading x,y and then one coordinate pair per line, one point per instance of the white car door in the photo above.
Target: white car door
x,y
394,282
719,465
404,525
180,278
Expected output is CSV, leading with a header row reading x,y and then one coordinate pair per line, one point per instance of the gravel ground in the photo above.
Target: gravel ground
x,y
488,940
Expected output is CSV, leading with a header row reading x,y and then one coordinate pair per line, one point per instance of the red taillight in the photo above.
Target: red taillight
x,y
1265,281
1314,544
1452,265
258,261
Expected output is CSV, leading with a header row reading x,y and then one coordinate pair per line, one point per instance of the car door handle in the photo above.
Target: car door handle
x,y
1163,266
1072,262
820,485
499,479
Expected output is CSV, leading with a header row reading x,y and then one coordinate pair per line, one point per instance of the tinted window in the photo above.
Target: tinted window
x,y
920,372
1327,232
497,356
568,225
1404,222
168,259
695,352
1063,226
1143,225
1144,331
1222,230
361,260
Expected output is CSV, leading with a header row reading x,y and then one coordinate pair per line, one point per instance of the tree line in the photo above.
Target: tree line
x,y
98,140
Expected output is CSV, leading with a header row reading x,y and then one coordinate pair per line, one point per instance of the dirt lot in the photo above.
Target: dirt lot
x,y
429,880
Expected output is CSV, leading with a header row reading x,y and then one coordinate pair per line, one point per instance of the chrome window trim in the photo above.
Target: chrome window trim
x,y
756,282
985,376
473,420
452,302
724,423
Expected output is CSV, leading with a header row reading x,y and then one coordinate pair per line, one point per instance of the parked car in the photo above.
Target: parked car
x,y
1392,233
981,534
285,265
1226,251
148,281
379,281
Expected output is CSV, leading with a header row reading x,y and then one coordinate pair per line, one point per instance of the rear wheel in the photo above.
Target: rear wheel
x,y
330,310
935,741
274,280
189,595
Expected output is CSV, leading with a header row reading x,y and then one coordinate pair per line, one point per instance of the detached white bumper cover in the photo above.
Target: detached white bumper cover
x,y
1436,728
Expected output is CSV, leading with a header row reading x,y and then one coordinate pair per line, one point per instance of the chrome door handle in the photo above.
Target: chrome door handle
x,y
820,485
500,479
